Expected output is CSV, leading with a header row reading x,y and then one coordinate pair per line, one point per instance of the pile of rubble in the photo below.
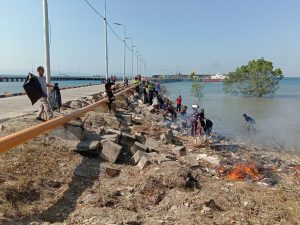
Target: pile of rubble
x,y
128,167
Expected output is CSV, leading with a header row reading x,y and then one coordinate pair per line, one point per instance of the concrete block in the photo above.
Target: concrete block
x,y
69,131
190,160
87,146
138,146
179,151
110,151
113,122
137,156
143,163
110,137
113,131
127,139
140,138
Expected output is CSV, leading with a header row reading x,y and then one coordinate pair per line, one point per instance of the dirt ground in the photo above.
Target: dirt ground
x,y
44,182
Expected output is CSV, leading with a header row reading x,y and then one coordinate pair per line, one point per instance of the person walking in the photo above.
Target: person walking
x,y
45,106
110,95
178,101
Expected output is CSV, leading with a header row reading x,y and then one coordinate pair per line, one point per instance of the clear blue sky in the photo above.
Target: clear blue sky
x,y
204,36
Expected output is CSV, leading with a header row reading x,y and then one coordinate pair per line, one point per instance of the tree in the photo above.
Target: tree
x,y
197,89
258,78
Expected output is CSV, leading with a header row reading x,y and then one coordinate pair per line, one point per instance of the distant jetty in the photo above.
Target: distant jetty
x,y
180,77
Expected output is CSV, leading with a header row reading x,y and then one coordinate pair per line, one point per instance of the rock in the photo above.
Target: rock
x,y
137,120
140,138
94,119
76,104
205,210
152,144
143,163
110,151
167,137
127,139
113,122
138,155
113,131
138,146
112,172
179,151
160,158
211,159
190,160
87,146
70,131
151,109
110,137
127,118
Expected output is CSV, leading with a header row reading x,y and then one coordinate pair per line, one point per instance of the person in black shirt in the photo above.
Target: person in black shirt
x,y
208,126
249,123
110,94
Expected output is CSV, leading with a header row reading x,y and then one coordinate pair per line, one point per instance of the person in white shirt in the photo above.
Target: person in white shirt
x,y
45,107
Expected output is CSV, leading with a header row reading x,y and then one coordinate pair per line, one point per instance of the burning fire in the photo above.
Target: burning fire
x,y
242,171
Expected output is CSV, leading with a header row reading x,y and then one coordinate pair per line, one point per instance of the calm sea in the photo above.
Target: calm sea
x,y
276,118
15,87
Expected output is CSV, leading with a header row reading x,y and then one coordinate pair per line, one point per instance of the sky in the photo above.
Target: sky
x,y
205,36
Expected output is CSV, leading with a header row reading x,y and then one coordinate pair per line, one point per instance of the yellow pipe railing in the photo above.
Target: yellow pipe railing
x,y
27,134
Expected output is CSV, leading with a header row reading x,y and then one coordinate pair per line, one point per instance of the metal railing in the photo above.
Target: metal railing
x,y
20,137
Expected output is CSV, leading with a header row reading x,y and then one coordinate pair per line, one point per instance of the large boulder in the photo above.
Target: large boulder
x,y
110,152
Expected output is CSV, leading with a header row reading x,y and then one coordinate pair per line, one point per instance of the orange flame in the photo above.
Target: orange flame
x,y
241,171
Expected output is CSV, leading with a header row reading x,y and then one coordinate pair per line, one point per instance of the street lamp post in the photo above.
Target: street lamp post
x,y
124,63
106,44
131,57
47,46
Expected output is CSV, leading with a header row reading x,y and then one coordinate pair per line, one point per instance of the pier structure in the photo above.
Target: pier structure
x,y
22,78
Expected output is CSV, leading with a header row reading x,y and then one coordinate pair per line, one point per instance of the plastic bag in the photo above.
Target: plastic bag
x,y
33,88
55,98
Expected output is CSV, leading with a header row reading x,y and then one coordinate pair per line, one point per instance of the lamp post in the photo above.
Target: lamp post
x,y
106,44
47,46
136,53
137,62
131,56
124,63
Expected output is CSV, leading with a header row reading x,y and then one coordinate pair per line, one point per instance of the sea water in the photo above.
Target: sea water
x,y
16,87
277,118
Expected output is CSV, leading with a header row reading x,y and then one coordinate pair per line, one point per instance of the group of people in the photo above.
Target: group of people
x,y
151,93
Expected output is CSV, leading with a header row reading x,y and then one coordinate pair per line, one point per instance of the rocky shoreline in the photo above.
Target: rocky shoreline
x,y
129,168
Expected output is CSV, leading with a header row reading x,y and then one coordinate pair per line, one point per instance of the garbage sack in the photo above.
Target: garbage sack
x,y
55,98
33,88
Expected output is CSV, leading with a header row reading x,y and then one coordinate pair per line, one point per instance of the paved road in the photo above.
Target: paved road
x,y
19,105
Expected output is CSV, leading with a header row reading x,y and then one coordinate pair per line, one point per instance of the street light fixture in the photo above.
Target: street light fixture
x,y
124,63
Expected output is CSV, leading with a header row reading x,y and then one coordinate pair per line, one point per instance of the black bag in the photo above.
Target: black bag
x,y
33,88
55,98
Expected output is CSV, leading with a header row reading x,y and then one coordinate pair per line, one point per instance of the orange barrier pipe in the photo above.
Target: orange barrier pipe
x,y
27,134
